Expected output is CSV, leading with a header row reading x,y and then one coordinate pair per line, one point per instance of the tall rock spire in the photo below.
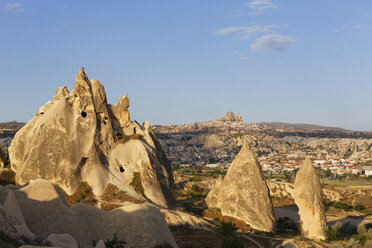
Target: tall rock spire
x,y
308,197
243,193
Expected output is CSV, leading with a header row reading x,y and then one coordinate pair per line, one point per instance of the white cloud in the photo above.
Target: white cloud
x,y
272,42
260,6
243,57
16,7
245,32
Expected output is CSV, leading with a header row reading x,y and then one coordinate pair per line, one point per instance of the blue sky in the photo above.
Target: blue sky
x,y
186,61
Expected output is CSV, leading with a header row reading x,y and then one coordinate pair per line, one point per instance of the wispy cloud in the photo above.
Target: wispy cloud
x,y
259,7
352,27
254,7
272,42
245,32
15,7
243,57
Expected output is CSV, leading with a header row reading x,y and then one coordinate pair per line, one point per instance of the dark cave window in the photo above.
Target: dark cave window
x,y
84,114
121,169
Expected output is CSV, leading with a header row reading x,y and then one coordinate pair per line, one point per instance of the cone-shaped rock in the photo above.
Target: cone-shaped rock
x,y
243,193
79,137
308,197
2,157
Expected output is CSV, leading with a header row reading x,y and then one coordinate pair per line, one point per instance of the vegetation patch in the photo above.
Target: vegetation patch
x,y
215,213
226,228
115,242
126,138
83,194
163,245
288,227
7,176
137,183
189,238
113,196
342,205
346,183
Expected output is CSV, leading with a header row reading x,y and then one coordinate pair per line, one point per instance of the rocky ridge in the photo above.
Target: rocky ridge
x,y
195,143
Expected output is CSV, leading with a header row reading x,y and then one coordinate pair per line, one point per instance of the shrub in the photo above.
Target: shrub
x,y
226,228
341,205
112,243
7,176
358,207
362,229
332,235
196,179
231,242
163,245
286,225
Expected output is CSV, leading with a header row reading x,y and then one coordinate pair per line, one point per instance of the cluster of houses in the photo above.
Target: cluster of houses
x,y
289,164
336,166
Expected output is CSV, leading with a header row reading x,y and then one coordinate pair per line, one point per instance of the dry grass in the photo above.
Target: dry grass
x,y
215,213
113,196
137,183
7,176
83,194
202,239
126,138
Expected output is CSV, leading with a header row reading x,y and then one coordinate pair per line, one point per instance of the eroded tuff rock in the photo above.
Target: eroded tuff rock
x,y
2,157
308,197
243,193
230,116
79,137
45,212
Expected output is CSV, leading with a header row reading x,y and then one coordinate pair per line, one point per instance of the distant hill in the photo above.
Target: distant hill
x,y
303,126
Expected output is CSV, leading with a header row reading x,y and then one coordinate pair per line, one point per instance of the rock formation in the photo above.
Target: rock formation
x,y
79,137
2,157
243,193
308,197
43,208
230,116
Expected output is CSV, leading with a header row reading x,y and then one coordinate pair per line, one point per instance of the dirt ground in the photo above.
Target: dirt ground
x,y
187,238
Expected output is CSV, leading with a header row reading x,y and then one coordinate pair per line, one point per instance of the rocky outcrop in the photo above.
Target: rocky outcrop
x,y
2,157
308,197
230,116
243,193
49,218
177,219
79,137
61,240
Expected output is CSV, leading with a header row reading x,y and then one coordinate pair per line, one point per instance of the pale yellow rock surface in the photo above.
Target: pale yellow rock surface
x,y
243,193
45,211
15,216
100,244
308,197
79,137
62,240
177,218
2,157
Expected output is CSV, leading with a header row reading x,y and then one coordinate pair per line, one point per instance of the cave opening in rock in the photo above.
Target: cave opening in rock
x,y
121,169
84,114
